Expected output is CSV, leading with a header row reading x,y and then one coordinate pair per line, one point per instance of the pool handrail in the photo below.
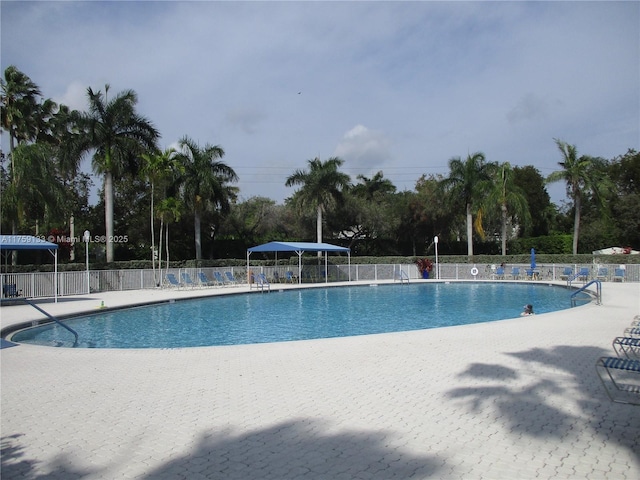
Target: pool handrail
x,y
262,282
51,317
598,285
400,275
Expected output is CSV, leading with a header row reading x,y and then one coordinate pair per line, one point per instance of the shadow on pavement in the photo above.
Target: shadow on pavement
x,y
285,451
530,409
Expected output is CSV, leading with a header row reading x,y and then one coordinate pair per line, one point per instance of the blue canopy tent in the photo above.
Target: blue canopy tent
x,y
28,242
299,248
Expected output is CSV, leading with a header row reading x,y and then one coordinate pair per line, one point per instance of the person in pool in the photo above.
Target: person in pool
x,y
528,310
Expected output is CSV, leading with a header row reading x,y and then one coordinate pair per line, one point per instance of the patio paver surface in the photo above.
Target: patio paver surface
x,y
510,399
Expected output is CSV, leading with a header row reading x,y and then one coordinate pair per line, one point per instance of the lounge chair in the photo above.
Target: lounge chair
x,y
186,280
515,273
219,279
567,273
204,280
628,347
632,332
603,274
289,277
230,278
583,274
499,274
618,275
173,281
10,290
620,378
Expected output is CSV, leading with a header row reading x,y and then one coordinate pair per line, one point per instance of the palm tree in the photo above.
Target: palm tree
x,y
322,187
374,188
118,136
510,198
169,211
19,106
468,182
364,209
39,167
158,168
35,190
18,112
578,173
205,182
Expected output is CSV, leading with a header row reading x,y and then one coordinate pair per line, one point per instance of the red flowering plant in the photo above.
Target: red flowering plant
x,y
424,265
63,240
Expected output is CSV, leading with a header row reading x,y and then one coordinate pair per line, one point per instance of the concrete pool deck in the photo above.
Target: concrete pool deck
x,y
511,399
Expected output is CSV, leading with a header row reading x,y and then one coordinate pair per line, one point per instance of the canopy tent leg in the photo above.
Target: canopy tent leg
x,y
299,252
55,275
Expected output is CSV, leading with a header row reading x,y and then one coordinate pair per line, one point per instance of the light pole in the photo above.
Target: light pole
x,y
435,240
86,237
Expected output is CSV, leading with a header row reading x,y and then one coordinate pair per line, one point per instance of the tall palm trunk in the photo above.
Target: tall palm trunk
x,y
503,208
108,213
319,227
160,250
469,231
576,222
166,244
153,242
196,228
14,226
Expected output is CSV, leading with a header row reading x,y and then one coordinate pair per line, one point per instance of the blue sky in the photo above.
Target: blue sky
x,y
394,86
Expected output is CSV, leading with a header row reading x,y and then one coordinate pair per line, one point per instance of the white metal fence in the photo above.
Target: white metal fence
x,y
40,284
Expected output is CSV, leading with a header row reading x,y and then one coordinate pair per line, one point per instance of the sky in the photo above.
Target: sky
x,y
397,87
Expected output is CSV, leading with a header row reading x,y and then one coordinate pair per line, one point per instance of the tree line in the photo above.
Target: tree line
x,y
479,207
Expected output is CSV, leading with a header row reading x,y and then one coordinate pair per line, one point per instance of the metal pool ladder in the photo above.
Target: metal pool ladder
x,y
401,275
598,285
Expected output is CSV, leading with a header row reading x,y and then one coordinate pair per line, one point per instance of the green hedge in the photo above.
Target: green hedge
x,y
550,244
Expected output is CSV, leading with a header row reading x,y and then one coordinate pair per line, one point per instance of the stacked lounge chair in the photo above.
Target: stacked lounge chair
x,y
620,375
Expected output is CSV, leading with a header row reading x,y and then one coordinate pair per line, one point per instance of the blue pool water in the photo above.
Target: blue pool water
x,y
300,314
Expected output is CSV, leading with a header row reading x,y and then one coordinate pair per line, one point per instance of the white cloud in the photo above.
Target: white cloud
x,y
74,97
363,150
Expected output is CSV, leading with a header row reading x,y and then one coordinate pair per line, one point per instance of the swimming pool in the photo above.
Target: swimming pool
x,y
300,315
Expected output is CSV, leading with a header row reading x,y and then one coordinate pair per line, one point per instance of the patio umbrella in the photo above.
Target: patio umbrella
x,y
533,259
